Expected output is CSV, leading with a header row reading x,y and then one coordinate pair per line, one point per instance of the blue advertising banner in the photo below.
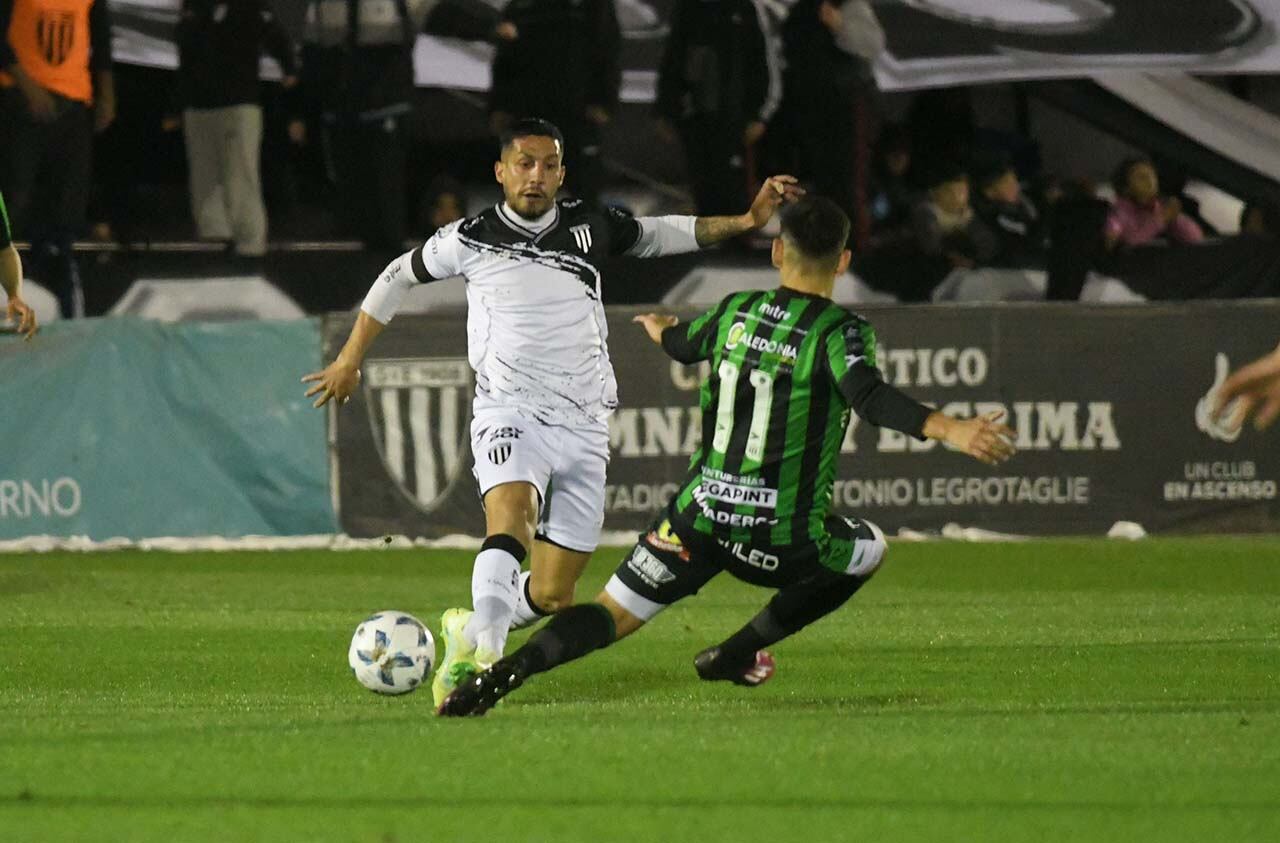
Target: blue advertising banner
x,y
124,427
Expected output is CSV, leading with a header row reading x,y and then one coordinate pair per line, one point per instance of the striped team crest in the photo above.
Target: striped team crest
x,y
420,413
55,34
582,234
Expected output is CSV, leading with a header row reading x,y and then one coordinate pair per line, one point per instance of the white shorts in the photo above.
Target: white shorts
x,y
565,464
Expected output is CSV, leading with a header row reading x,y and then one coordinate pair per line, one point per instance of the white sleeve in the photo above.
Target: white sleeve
x,y
671,235
442,254
384,297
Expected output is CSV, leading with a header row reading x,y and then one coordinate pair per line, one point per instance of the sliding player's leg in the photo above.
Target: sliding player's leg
x,y
847,559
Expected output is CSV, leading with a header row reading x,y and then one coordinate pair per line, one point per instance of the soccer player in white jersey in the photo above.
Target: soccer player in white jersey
x,y
545,387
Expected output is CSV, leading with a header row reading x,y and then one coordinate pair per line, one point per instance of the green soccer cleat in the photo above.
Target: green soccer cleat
x,y
459,662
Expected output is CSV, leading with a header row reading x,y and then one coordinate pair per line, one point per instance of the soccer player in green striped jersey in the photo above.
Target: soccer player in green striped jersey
x,y
18,311
788,366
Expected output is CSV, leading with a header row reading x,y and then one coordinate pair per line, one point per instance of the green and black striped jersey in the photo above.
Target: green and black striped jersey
x,y
786,370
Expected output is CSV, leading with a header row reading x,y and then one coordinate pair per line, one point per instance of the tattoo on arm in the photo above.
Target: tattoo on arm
x,y
711,230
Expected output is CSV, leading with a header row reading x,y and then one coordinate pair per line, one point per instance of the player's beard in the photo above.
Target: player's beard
x,y
531,208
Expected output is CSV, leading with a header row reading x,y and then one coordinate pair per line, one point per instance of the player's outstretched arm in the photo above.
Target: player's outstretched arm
x,y
1253,387
983,437
341,377
773,193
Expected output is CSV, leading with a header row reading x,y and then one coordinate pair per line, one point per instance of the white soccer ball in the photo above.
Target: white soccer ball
x,y
391,653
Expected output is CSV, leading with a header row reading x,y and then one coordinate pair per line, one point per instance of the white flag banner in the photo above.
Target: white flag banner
x,y
933,43
928,43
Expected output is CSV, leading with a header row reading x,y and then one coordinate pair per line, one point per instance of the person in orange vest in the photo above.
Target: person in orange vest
x,y
56,89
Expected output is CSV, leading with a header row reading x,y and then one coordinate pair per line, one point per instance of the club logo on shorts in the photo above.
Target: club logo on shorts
x,y
500,454
582,235
420,415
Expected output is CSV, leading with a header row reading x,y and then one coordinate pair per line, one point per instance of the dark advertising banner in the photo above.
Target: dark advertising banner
x,y
1109,403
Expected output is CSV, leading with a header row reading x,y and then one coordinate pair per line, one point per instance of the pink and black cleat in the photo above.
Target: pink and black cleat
x,y
714,666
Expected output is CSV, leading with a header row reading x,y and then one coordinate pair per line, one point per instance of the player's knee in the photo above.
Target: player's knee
x,y
551,597
869,550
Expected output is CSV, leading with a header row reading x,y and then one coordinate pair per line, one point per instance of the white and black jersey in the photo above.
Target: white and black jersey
x,y
536,329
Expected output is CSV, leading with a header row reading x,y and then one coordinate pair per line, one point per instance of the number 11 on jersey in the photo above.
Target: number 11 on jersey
x,y
762,383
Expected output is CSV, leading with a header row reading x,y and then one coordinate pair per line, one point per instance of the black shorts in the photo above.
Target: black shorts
x,y
673,561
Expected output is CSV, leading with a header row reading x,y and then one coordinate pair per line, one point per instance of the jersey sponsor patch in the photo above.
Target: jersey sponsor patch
x,y
757,496
649,568
665,539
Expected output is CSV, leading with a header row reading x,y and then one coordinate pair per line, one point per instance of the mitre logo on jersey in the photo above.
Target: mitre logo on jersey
x,y
582,235
420,414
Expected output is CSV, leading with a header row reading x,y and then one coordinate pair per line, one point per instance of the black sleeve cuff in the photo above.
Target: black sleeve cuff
x,y
885,406
419,268
675,342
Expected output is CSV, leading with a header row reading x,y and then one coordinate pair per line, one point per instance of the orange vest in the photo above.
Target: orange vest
x,y
51,41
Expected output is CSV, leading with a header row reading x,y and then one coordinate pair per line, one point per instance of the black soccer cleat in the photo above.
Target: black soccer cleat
x,y
476,695
713,666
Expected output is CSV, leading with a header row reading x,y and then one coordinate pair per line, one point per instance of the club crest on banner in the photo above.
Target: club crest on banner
x,y
420,414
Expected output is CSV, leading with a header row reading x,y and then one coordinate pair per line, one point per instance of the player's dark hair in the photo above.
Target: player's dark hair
x,y
817,227
529,127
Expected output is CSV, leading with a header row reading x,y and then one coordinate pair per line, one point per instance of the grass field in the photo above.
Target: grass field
x,y
1045,691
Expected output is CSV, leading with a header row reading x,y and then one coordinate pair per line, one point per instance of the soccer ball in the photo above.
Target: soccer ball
x,y
391,653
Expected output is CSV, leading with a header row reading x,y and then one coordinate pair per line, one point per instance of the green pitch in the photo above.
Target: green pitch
x,y
1047,691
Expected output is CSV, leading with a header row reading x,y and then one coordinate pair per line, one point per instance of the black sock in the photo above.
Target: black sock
x,y
791,610
569,635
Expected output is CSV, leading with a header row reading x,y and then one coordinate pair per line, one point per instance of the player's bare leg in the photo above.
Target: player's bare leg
x,y
549,584
474,640
571,634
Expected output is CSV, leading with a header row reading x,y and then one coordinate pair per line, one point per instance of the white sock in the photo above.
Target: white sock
x,y
495,585
525,613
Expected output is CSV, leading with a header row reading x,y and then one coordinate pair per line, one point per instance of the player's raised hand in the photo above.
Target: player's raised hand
x,y
983,437
1255,386
775,191
655,323
335,382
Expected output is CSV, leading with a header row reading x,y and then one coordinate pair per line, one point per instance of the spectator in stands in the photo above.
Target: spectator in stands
x,y
892,194
558,60
1260,218
719,84
359,75
445,201
219,44
1173,183
945,225
829,48
1139,215
56,89
1007,214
